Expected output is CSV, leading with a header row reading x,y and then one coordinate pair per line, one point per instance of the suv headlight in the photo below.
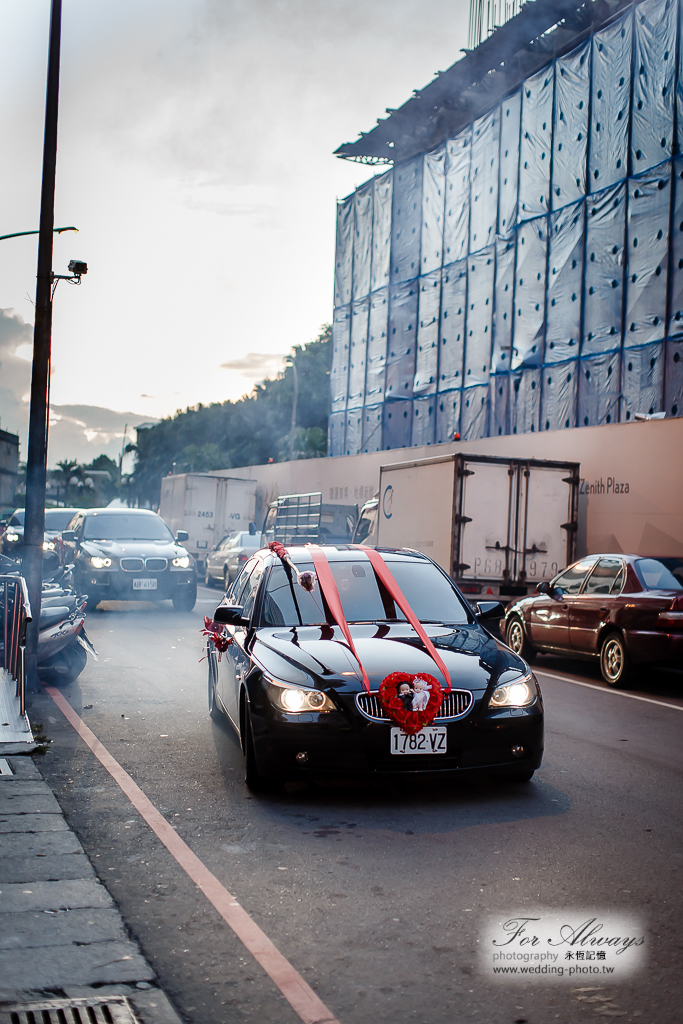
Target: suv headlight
x,y
181,562
293,699
515,692
98,562
11,537
49,545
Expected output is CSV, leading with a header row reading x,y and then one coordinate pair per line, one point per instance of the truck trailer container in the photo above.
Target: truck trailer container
x,y
208,507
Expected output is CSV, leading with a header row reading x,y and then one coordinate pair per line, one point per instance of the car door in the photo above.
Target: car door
x,y
590,609
238,654
548,624
214,561
225,677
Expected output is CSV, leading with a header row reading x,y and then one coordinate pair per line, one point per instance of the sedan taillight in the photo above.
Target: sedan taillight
x,y
672,618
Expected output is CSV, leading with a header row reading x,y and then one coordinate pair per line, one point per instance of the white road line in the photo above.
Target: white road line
x,y
603,689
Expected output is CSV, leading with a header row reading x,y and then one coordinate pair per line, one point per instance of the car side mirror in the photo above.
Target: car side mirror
x,y
69,536
544,588
489,610
181,536
229,614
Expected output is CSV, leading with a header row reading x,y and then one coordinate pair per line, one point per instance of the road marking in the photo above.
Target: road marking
x,y
615,693
296,991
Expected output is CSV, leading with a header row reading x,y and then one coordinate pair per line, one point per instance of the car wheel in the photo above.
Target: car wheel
x,y
91,604
517,641
214,707
226,579
185,598
615,664
208,580
256,782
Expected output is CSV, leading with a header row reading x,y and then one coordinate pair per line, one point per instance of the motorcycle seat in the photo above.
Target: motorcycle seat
x,y
60,600
51,616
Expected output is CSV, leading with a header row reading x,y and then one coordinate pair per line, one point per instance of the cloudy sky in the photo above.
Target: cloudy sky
x,y
195,157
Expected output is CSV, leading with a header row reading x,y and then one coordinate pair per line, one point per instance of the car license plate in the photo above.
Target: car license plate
x,y
144,584
430,740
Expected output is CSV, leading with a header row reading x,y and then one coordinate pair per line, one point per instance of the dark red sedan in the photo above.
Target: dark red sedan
x,y
623,609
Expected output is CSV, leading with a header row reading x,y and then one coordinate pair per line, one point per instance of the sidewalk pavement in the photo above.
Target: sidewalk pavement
x,y
61,936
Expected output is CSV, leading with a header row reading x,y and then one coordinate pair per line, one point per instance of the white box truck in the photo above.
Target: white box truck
x,y
208,507
497,525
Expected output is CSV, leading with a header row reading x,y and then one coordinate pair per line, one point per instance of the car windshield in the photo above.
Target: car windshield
x,y
103,526
430,593
17,518
654,575
58,518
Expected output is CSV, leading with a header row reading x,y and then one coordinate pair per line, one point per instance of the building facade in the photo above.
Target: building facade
x,y
9,468
523,271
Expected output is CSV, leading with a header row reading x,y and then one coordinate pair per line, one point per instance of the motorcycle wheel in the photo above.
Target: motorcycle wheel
x,y
64,667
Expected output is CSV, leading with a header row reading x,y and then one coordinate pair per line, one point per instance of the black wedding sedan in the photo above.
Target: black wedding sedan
x,y
293,691
124,554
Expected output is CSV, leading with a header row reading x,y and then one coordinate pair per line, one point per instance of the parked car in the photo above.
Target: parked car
x,y
291,689
624,610
127,554
227,558
56,520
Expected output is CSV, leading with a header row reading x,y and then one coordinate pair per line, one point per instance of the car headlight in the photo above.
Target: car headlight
x,y
181,562
10,537
98,562
515,692
293,699
48,545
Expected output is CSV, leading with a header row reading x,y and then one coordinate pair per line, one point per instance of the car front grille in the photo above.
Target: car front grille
x,y
132,564
156,564
455,704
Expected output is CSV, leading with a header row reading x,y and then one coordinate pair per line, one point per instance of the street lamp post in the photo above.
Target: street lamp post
x,y
36,463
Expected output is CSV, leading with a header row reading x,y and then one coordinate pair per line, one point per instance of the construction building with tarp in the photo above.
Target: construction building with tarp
x,y
519,265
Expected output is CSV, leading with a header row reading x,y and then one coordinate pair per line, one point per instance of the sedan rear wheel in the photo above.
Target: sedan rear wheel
x,y
614,661
516,639
208,579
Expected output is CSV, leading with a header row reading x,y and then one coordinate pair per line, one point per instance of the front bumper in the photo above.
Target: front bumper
x,y
115,585
341,742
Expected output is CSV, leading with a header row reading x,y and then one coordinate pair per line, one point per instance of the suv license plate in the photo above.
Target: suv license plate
x,y
144,584
430,740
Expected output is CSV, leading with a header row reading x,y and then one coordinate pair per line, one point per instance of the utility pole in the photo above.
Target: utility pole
x,y
36,463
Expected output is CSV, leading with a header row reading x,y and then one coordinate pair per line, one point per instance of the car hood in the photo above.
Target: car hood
x,y
319,655
133,548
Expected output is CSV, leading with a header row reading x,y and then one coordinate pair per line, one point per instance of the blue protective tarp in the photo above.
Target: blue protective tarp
x,y
447,415
676,242
565,274
457,217
406,220
424,420
372,428
604,275
530,293
335,433
480,278
508,182
558,395
402,334
453,304
535,144
381,229
642,380
599,390
377,346
647,248
610,104
354,432
653,83
525,400
570,135
433,192
427,357
343,264
474,419
362,240
359,345
339,372
498,400
398,423
503,316
484,180
673,398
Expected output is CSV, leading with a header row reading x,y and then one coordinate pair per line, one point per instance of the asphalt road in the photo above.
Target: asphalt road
x,y
378,894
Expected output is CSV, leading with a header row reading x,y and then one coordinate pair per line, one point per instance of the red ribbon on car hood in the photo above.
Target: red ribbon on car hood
x,y
331,595
382,571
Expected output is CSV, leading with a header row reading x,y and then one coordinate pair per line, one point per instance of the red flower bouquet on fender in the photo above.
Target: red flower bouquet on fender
x,y
411,701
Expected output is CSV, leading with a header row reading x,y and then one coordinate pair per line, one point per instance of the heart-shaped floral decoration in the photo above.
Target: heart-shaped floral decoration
x,y
411,701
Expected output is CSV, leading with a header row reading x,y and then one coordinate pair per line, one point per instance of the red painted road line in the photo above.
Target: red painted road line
x,y
296,991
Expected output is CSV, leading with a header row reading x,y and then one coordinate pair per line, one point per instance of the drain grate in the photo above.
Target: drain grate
x,y
107,1010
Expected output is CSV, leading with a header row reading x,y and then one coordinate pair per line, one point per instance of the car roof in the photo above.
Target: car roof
x,y
120,511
